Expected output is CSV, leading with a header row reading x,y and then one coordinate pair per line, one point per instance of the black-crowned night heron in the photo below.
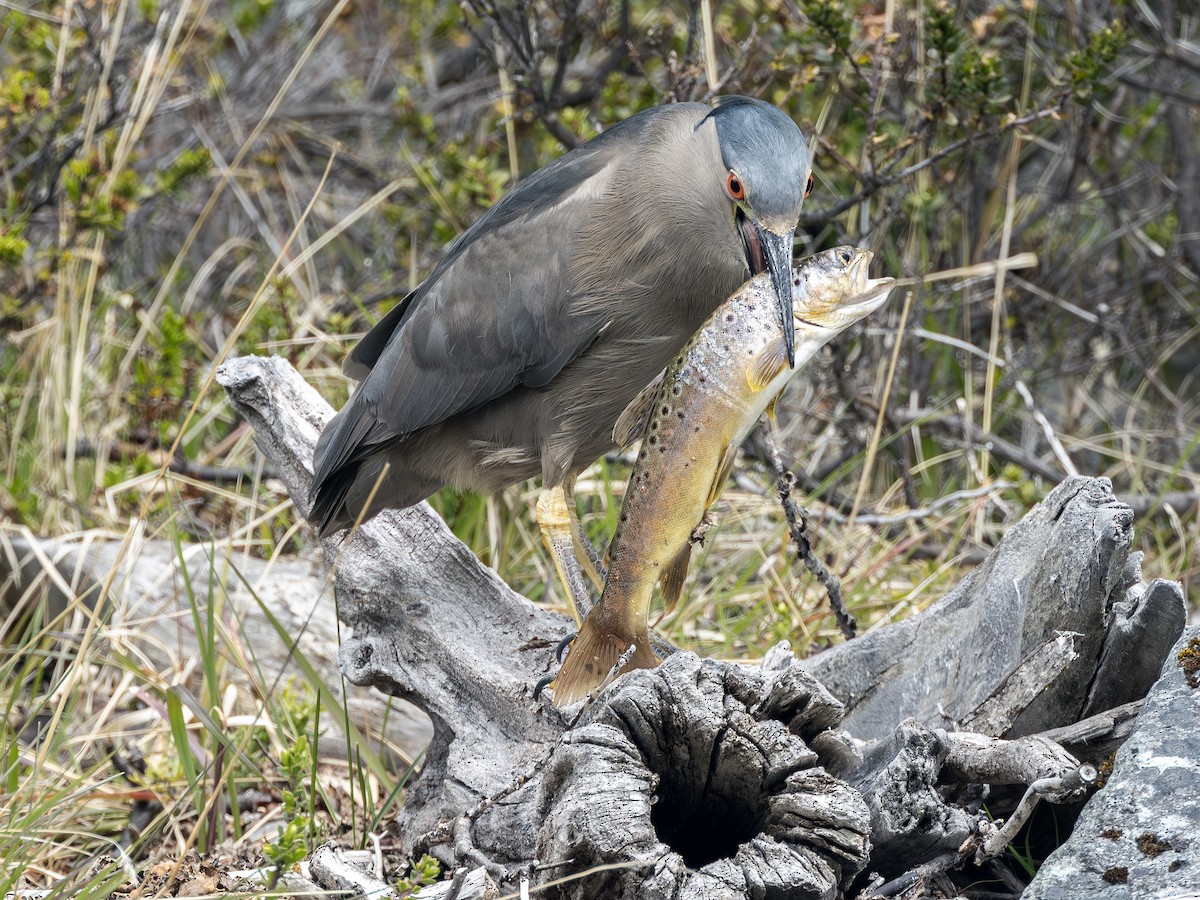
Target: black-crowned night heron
x,y
515,357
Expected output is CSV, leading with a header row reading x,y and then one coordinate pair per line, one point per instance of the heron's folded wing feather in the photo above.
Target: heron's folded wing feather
x,y
496,314
549,187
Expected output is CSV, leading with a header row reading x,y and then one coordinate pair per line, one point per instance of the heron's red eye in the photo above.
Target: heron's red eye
x,y
808,187
733,184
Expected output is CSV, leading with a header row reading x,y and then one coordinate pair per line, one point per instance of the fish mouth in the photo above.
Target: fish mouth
x,y
874,292
860,294
868,293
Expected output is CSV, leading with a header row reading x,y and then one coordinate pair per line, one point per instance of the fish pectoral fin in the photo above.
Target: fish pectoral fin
x,y
722,475
671,581
770,410
632,421
767,365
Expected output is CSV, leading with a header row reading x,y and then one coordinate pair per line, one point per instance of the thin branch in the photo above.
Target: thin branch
x,y
797,520
977,437
937,866
1112,723
924,512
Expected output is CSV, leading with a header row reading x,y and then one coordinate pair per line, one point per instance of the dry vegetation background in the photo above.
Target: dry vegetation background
x,y
186,180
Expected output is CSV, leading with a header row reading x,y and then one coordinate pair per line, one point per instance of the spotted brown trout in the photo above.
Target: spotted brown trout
x,y
726,376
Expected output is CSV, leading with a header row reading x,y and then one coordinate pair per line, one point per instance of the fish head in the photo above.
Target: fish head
x,y
834,289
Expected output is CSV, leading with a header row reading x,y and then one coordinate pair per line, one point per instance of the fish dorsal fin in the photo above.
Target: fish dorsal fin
x,y
632,421
671,581
767,365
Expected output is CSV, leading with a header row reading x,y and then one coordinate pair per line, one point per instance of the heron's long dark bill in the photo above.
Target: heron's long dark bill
x,y
777,248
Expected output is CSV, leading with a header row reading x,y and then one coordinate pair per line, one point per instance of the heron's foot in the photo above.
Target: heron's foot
x,y
590,558
661,646
586,553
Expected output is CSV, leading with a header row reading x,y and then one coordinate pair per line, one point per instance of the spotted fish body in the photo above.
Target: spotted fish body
x,y
711,395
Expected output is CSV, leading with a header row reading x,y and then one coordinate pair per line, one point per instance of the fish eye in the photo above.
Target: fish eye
x,y
845,256
808,187
734,186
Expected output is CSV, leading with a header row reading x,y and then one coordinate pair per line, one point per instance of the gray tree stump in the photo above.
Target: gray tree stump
x,y
711,782
706,779
1061,591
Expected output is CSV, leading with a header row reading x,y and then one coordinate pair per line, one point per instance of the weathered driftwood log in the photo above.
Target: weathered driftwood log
x,y
910,820
431,624
1022,645
1055,625
141,590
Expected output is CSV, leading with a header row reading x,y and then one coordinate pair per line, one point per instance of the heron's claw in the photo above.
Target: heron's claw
x,y
559,651
544,682
566,642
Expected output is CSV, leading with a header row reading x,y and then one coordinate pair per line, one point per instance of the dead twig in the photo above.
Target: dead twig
x,y
935,867
797,520
1112,723
991,841
1178,502
1055,789
889,175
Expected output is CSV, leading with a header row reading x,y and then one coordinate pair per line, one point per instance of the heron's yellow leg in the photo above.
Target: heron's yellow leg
x,y
585,551
555,515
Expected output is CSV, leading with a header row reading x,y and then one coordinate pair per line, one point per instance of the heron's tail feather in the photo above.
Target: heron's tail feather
x,y
378,478
592,656
328,500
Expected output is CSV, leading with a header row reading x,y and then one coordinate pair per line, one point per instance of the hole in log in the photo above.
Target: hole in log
x,y
681,782
700,823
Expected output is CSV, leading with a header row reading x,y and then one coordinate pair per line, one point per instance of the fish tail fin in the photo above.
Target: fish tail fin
x,y
592,656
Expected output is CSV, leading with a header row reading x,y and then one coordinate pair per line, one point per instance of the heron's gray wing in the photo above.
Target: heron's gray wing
x,y
504,308
366,352
494,315
500,318
561,190
522,212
